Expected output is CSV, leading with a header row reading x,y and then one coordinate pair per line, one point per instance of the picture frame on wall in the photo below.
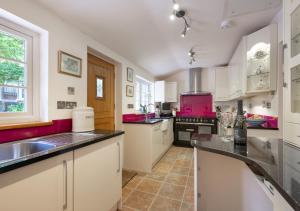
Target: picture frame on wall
x,y
130,74
69,64
129,91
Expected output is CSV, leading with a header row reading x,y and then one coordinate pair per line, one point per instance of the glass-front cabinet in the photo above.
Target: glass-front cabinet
x,y
261,60
292,61
291,96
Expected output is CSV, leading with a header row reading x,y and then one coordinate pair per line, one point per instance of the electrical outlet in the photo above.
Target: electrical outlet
x,y
61,104
130,106
71,90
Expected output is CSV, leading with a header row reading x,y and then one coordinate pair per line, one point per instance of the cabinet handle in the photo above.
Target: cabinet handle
x,y
119,154
269,186
190,130
65,206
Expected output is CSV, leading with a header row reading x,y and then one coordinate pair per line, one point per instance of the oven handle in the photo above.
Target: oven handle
x,y
188,123
190,130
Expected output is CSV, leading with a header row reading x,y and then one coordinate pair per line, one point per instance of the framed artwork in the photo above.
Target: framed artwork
x,y
130,74
129,91
69,64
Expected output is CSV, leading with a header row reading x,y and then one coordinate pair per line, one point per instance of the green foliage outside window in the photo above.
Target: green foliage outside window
x,y
12,55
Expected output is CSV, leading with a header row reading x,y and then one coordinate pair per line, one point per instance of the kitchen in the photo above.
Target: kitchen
x,y
92,117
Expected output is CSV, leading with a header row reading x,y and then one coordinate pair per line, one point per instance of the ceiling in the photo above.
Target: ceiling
x,y
140,30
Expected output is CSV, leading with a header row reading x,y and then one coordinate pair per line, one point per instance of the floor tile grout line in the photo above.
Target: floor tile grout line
x,y
162,184
156,195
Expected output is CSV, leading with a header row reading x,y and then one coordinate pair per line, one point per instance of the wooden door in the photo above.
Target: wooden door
x,y
101,92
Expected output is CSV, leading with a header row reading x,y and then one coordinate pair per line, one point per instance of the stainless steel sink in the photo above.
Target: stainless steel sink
x,y
18,150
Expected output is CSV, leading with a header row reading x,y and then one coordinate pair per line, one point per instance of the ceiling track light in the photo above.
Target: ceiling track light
x,y
177,13
192,55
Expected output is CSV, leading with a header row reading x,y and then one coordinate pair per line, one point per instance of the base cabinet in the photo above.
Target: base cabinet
x,y
98,176
145,144
45,185
238,188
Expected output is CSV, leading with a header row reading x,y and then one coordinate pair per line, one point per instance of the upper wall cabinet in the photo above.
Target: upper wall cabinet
x,y
292,71
222,85
261,66
165,91
236,71
253,67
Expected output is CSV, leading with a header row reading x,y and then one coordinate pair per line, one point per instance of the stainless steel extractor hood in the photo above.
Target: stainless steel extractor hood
x,y
195,83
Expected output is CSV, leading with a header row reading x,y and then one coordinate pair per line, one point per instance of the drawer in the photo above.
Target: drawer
x,y
291,156
292,133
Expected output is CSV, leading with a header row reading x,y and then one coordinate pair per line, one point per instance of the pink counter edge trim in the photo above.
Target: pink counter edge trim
x,y
58,126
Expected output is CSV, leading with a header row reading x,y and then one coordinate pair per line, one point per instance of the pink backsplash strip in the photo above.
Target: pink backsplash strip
x,y
196,105
59,126
136,117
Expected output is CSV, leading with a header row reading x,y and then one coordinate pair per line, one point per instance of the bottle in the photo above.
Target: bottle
x,y
240,127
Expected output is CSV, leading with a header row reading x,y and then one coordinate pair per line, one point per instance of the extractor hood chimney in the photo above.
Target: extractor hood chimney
x,y
195,83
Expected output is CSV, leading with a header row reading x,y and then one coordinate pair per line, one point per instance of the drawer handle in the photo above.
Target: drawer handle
x,y
119,157
65,205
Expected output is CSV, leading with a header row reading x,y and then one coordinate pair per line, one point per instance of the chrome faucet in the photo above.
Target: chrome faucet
x,y
145,109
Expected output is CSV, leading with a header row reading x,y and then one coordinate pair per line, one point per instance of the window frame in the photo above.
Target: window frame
x,y
32,77
150,85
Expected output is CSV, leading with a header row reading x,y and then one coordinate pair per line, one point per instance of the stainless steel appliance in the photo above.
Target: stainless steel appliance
x,y
195,83
185,127
166,109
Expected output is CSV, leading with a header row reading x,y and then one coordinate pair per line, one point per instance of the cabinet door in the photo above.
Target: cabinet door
x,y
171,92
159,91
46,185
292,61
262,60
157,143
222,88
98,176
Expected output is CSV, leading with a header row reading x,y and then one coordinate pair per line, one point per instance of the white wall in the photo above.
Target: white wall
x,y
63,36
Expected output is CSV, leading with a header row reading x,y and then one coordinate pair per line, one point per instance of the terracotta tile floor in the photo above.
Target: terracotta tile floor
x,y
168,188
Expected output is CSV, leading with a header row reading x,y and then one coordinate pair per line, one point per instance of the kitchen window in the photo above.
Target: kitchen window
x,y
19,88
144,92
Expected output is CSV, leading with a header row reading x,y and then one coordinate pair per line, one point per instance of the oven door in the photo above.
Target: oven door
x,y
205,129
185,132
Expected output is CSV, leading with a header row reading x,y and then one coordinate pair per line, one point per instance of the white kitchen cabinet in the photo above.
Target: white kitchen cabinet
x,y
168,135
236,71
165,91
46,185
252,69
157,143
222,85
237,189
261,63
98,176
145,144
291,93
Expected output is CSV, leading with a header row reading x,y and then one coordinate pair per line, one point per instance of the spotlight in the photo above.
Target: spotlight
x,y
192,55
188,27
172,17
176,6
183,34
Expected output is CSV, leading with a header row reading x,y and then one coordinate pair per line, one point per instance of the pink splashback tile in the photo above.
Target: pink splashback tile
x,y
58,126
196,105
